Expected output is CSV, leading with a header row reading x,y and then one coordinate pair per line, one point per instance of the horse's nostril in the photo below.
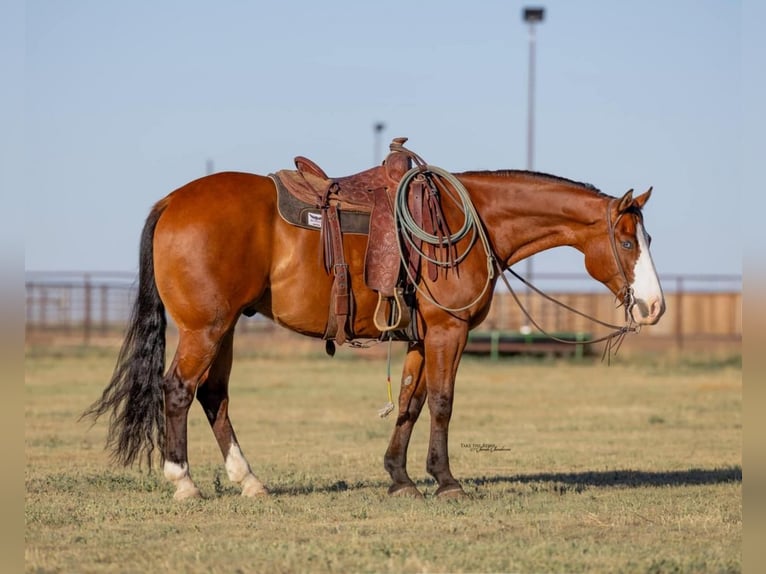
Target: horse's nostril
x,y
656,308
648,312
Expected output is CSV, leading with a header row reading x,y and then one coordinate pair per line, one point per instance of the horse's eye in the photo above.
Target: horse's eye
x,y
627,244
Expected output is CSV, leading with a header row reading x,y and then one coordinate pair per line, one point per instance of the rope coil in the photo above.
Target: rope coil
x,y
408,230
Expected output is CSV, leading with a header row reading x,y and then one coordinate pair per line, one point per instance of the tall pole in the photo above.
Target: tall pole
x,y
378,128
531,101
531,16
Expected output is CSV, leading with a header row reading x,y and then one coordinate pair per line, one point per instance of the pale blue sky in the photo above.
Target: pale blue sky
x,y
125,101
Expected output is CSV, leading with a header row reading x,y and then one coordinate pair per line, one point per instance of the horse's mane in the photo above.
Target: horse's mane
x,y
537,175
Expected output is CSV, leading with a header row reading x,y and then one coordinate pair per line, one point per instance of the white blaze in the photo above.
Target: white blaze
x,y
650,302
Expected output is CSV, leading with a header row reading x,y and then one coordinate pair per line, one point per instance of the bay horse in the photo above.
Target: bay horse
x,y
217,248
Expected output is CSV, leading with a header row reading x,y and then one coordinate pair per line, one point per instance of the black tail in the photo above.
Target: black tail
x,y
134,395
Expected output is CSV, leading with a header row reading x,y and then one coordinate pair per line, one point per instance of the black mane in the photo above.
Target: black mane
x,y
537,175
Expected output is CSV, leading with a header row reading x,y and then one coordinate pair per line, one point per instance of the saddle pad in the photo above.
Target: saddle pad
x,y
301,214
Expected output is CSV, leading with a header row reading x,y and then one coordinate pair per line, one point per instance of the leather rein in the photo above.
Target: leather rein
x,y
614,339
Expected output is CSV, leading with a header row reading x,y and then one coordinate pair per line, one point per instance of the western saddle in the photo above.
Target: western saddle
x,y
362,203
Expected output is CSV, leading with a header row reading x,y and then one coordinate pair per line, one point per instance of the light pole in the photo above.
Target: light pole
x,y
532,16
378,128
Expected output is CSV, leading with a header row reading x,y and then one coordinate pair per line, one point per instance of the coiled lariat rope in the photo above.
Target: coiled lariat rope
x,y
408,230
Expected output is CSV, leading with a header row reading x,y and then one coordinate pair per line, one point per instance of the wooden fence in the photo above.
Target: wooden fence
x,y
702,310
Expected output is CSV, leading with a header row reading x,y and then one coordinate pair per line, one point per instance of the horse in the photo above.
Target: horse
x,y
217,248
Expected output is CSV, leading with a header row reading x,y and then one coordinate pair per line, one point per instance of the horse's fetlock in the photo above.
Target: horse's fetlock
x,y
175,471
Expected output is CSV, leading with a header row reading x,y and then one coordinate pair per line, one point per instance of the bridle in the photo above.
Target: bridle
x,y
613,339
626,293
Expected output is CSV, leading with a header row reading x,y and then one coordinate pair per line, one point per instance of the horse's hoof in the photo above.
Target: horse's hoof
x,y
451,492
255,491
252,487
406,491
187,493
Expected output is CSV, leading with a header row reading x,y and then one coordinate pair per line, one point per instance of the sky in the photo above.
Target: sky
x,y
126,101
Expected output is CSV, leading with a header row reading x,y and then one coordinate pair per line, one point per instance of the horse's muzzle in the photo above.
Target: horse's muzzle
x,y
647,312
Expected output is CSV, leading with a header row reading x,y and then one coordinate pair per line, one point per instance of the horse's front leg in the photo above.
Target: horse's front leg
x,y
443,348
412,396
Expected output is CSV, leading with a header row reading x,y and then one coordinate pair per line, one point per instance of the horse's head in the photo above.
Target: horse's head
x,y
621,260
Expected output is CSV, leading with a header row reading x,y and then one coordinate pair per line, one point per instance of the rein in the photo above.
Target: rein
x,y
614,339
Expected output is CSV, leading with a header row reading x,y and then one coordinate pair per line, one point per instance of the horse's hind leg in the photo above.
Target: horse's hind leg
x,y
191,364
412,397
179,387
213,395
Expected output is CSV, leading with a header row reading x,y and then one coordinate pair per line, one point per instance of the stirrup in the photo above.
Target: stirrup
x,y
399,314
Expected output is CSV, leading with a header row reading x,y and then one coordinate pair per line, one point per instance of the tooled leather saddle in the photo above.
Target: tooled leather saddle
x,y
362,203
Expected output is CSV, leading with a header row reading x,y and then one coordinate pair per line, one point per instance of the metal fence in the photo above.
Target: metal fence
x,y
74,303
701,309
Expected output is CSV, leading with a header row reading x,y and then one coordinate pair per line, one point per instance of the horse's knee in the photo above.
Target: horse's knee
x,y
440,406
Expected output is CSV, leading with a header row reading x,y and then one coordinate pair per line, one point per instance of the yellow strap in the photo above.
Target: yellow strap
x,y
388,407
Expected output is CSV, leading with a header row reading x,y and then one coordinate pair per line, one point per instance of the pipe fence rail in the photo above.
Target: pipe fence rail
x,y
701,309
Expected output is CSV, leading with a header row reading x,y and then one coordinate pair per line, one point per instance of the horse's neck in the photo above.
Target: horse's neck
x,y
526,215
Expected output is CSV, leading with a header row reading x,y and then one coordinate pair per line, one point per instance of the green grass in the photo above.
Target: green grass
x,y
630,468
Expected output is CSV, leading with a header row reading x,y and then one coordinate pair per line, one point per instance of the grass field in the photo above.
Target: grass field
x,y
635,467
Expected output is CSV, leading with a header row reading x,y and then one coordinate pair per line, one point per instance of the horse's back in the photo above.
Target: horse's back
x,y
221,248
222,193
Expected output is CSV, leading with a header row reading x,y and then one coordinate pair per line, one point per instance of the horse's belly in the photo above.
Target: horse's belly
x,y
301,289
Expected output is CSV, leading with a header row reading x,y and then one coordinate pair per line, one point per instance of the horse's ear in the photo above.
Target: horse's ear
x,y
625,202
641,200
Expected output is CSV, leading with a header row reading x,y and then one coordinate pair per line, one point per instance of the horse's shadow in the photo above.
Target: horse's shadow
x,y
622,478
559,481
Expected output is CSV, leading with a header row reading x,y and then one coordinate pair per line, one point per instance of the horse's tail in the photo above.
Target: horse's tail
x,y
135,395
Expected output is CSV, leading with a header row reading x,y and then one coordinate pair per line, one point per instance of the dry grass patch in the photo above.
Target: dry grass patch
x,y
629,468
